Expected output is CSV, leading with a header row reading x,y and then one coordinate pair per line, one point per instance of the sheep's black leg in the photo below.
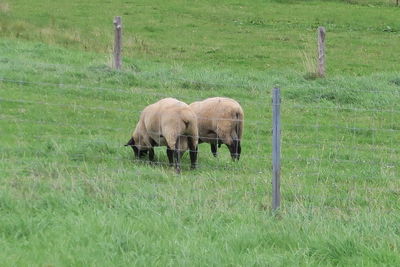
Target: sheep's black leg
x,y
170,155
230,147
239,150
151,150
214,149
193,158
192,154
234,149
177,157
151,154
177,160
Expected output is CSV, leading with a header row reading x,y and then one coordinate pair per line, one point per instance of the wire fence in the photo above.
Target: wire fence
x,y
76,109
334,151
344,155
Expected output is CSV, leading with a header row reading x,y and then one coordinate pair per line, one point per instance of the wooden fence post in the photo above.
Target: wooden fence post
x,y
321,51
276,148
117,42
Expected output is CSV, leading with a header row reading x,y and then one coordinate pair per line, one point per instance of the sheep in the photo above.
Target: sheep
x,y
220,121
168,122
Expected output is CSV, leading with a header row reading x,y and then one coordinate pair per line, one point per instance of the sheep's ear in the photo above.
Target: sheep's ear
x,y
131,142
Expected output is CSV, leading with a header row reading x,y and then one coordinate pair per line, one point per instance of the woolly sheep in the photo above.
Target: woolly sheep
x,y
168,122
220,121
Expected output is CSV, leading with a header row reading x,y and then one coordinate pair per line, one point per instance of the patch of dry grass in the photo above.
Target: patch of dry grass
x,y
4,7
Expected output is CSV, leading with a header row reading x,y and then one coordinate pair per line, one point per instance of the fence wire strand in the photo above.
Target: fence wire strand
x,y
314,149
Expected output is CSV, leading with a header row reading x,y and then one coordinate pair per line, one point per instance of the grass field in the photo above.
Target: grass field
x,y
70,193
257,34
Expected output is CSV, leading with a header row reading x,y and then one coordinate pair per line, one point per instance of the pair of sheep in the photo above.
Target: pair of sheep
x,y
172,123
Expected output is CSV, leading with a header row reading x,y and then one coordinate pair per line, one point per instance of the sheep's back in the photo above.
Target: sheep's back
x,y
216,112
166,119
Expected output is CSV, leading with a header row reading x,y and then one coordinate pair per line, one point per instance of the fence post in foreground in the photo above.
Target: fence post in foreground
x,y
276,148
117,42
321,51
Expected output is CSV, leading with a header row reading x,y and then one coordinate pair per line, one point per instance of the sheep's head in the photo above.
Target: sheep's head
x,y
140,151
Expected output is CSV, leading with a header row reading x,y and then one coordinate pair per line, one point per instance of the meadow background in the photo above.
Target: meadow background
x,y
70,193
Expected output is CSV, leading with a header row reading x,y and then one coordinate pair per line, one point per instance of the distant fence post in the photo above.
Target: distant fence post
x,y
276,148
117,42
321,51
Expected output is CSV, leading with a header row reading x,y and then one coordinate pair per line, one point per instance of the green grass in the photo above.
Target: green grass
x,y
262,35
71,194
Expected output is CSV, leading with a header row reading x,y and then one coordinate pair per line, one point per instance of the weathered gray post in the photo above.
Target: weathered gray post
x,y
321,51
276,148
117,42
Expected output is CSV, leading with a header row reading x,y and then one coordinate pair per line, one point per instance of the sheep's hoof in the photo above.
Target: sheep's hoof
x,y
193,166
178,170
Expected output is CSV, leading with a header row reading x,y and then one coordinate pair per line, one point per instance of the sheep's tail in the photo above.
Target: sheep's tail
x,y
235,147
191,129
238,124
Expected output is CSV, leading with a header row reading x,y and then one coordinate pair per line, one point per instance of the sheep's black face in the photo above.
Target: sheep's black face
x,y
139,153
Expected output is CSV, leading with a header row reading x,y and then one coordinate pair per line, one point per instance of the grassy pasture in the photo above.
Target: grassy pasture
x,y
257,34
71,195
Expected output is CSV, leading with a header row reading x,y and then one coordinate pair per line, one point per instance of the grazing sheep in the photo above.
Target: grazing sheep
x,y
220,121
170,123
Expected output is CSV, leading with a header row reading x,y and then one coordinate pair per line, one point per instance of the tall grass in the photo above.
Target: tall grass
x,y
72,195
309,58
